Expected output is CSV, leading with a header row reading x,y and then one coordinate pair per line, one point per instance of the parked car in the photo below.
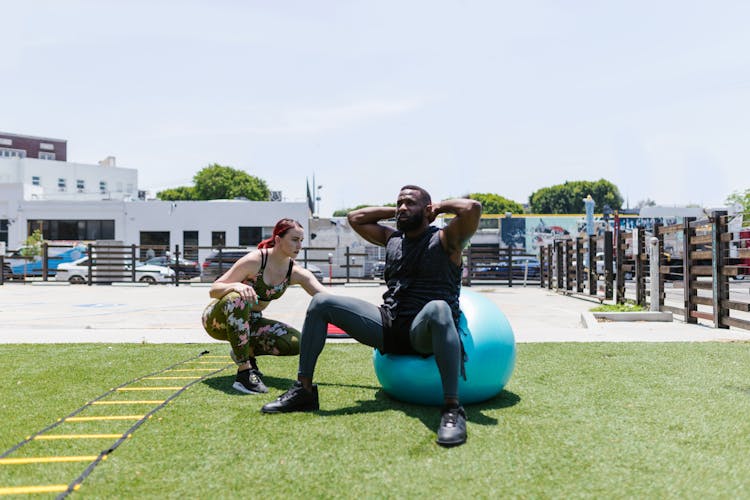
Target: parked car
x,y
744,271
377,270
77,272
186,268
15,257
7,271
499,270
315,270
673,263
35,267
210,271
522,266
211,266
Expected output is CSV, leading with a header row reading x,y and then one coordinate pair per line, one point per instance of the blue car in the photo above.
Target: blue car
x,y
35,268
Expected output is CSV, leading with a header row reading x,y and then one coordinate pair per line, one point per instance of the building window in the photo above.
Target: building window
x,y
190,244
76,230
129,189
46,146
218,238
35,180
154,243
46,156
12,153
6,142
4,231
61,184
80,186
250,236
103,187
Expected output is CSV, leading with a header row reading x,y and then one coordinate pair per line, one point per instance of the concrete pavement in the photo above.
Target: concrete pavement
x,y
166,314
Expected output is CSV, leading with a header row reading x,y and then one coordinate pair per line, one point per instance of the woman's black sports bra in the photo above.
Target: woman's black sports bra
x,y
264,291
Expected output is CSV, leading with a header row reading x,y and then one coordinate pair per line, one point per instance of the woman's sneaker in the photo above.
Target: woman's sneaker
x,y
249,382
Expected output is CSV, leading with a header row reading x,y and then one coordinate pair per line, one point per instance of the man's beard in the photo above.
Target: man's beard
x,y
410,223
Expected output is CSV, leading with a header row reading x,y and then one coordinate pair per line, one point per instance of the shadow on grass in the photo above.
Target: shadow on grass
x,y
429,415
224,383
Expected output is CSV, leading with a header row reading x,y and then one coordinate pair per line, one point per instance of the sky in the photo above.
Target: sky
x,y
458,97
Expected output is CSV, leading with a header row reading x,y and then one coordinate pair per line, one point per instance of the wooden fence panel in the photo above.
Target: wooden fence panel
x,y
709,258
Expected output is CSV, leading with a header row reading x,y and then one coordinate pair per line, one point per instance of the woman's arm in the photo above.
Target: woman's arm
x,y
304,278
231,281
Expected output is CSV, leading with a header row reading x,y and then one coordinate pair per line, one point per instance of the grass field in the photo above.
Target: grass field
x,y
576,420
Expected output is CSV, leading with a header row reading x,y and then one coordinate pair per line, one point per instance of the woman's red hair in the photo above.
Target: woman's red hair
x,y
280,229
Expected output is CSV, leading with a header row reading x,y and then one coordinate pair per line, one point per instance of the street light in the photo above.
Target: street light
x,y
589,203
317,200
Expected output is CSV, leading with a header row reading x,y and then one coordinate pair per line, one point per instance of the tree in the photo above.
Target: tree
x,y
33,245
177,194
743,199
219,182
567,198
496,204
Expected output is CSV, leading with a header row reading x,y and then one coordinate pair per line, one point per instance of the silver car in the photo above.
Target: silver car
x,y
77,272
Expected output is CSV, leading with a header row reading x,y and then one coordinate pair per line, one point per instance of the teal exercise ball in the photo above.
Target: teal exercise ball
x,y
490,350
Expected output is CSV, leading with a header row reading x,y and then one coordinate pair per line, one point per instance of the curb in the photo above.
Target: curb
x,y
635,316
589,321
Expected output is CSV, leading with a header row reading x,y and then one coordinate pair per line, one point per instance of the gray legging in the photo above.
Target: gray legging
x,y
432,332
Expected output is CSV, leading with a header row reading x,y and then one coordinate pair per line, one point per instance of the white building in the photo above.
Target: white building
x,y
61,180
231,223
78,202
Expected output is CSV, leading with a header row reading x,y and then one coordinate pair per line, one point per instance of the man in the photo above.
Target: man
x,y
420,310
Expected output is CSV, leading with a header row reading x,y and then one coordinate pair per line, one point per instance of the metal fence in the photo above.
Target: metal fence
x,y
110,262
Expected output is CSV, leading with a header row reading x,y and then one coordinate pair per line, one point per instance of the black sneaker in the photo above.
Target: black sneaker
x,y
295,399
452,430
249,382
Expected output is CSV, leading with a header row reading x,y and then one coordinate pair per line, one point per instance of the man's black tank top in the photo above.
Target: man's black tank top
x,y
417,271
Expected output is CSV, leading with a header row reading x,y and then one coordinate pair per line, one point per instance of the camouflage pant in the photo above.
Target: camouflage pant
x,y
230,318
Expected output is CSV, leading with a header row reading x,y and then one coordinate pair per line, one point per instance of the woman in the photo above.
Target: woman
x,y
245,290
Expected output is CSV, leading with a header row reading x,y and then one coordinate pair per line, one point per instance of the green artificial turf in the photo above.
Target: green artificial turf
x,y
576,420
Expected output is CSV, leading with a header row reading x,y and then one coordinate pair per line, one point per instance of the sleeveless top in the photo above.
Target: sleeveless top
x,y
265,292
417,271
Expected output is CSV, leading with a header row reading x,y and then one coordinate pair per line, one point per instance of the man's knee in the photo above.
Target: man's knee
x,y
438,311
316,302
321,302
